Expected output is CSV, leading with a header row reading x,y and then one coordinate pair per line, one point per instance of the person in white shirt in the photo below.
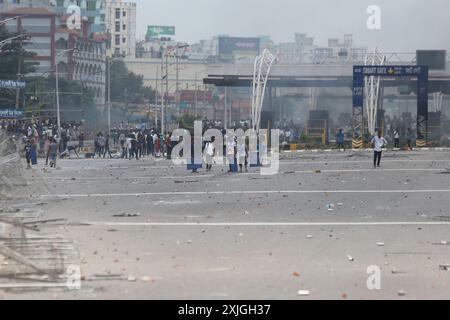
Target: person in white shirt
x,y
396,139
378,143
209,153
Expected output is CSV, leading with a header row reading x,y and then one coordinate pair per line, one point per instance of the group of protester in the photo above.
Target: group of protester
x,y
134,143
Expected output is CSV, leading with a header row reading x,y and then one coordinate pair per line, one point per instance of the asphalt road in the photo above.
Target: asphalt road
x,y
317,226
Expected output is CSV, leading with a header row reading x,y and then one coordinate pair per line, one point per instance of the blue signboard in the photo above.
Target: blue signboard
x,y
12,84
360,72
11,114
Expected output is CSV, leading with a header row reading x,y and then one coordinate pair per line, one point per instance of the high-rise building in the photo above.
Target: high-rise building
x,y
121,28
92,11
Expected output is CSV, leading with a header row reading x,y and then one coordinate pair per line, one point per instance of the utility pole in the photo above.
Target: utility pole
x,y
195,97
225,117
109,94
162,89
167,94
177,94
156,98
19,70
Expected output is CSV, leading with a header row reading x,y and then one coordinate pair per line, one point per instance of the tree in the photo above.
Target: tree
x,y
127,87
15,63
72,96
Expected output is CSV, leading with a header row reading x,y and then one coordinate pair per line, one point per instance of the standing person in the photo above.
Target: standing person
x,y
409,138
134,147
122,141
231,154
27,150
157,147
33,152
81,141
141,143
242,151
340,140
378,143
396,139
53,152
128,147
101,143
150,144
48,141
210,150
107,150
168,146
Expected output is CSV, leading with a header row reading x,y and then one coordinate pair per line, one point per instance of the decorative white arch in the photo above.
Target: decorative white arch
x,y
372,89
261,72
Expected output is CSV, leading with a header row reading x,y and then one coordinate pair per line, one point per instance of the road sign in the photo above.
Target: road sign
x,y
156,31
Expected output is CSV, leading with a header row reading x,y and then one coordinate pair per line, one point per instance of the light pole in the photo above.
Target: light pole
x,y
58,114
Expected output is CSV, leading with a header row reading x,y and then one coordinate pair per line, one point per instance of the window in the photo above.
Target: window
x,y
124,14
117,13
117,40
118,26
124,27
117,52
124,40
91,5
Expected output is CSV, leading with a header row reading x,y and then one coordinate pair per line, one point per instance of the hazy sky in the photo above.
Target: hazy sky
x,y
406,24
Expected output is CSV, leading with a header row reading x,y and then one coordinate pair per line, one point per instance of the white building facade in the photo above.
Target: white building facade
x,y
121,28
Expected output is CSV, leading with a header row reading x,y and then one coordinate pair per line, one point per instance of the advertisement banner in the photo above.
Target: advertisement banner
x,y
156,31
231,48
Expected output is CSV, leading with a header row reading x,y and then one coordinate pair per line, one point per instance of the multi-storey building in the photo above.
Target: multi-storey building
x,y
40,25
92,11
121,28
45,24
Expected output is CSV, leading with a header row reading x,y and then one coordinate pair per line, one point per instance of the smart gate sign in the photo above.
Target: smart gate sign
x,y
10,114
12,84
360,72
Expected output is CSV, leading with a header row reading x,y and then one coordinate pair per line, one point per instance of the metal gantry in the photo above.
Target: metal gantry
x,y
261,72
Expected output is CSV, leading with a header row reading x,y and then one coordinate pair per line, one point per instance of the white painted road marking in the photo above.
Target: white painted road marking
x,y
262,224
199,193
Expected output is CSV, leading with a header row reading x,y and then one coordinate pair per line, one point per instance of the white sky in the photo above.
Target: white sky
x,y
407,25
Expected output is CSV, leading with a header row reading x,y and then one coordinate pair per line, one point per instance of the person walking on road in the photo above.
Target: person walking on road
x,y
107,150
209,153
378,143
340,140
396,139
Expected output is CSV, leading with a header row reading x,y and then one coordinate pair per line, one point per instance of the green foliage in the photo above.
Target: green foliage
x,y
127,87
186,121
72,95
13,57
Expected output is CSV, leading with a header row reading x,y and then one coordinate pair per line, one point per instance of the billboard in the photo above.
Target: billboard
x,y
233,48
434,59
156,31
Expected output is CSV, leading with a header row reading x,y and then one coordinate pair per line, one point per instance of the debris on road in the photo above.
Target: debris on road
x,y
303,292
296,274
444,267
126,215
350,258
380,244
309,236
401,292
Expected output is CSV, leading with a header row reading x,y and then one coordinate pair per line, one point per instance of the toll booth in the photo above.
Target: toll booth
x,y
317,127
434,127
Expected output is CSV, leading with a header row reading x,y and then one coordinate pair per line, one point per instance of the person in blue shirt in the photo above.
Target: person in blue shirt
x,y
340,140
